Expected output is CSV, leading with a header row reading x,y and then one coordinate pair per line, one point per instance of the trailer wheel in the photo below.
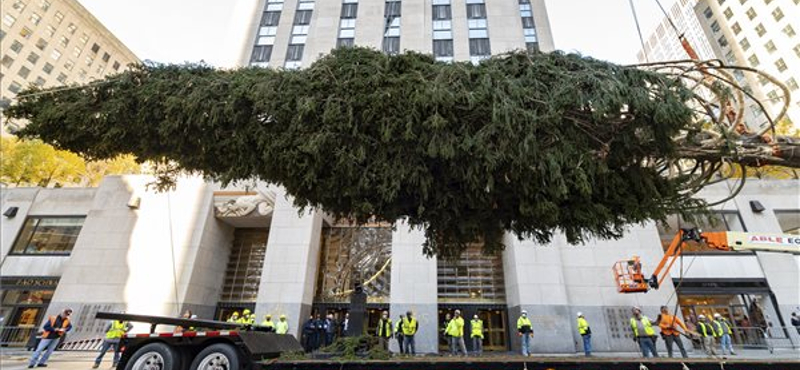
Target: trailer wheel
x,y
218,356
154,356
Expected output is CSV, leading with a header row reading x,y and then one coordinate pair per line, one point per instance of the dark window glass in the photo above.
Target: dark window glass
x,y
349,11
270,19
479,47
261,53
391,45
302,17
441,12
392,9
48,235
295,53
47,68
473,277
95,48
106,57
24,72
443,48
532,46
476,11
62,78
116,66
245,264
33,58
345,42
527,22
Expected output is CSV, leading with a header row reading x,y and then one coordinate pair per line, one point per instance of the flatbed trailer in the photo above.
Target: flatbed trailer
x,y
215,345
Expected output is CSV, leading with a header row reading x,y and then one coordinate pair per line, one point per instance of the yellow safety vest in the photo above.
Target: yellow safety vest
x,y
117,330
705,331
385,328
456,327
268,323
648,327
720,328
523,321
409,326
583,326
476,328
282,327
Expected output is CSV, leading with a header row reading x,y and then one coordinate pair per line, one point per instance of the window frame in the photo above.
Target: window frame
x,y
13,251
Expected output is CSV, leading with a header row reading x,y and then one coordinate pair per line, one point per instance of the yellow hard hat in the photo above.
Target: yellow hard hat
x,y
283,316
246,312
268,316
235,313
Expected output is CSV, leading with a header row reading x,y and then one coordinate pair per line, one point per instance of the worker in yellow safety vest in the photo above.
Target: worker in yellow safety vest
x,y
476,333
525,331
707,332
410,326
455,330
643,333
282,327
115,330
234,317
384,330
268,323
724,333
586,333
245,318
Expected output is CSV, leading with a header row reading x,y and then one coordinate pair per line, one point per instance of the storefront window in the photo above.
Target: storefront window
x,y
48,235
23,303
471,278
750,314
789,221
355,253
243,275
718,221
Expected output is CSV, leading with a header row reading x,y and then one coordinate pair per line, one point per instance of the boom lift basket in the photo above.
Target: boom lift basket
x,y
629,277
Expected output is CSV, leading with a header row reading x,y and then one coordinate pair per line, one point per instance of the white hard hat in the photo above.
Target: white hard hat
x,y
580,314
717,315
525,312
701,317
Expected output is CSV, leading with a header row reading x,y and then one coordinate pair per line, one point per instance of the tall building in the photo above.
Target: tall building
x,y
217,250
292,33
53,43
757,34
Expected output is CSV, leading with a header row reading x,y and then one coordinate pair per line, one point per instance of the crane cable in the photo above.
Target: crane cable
x,y
639,30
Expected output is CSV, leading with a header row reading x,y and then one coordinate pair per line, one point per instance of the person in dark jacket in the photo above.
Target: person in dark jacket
x,y
309,334
54,328
330,329
319,325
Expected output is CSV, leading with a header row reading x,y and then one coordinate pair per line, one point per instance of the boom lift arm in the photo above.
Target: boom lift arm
x,y
630,279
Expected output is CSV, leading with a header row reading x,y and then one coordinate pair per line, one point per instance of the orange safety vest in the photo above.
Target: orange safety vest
x,y
64,324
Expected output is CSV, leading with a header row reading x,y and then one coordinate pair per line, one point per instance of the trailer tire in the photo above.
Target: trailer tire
x,y
154,356
220,356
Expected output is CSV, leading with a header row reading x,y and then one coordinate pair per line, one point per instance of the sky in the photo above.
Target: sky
x,y
177,31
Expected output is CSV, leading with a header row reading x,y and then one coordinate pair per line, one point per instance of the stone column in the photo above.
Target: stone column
x,y
414,284
291,264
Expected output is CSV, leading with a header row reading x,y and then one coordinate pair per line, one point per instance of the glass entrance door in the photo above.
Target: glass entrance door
x,y
496,333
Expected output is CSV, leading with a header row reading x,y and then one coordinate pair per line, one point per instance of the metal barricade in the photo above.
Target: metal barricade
x,y
768,338
16,336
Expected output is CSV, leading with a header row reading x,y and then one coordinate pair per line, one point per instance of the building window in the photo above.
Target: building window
x,y
441,12
789,220
50,30
55,55
391,30
728,13
14,87
529,26
2,34
792,84
19,5
72,28
35,18
64,41
84,39
442,30
47,68
770,46
33,57
106,57
16,46
270,19
345,42
789,31
442,49
716,221
708,13
68,65
753,61
744,44
751,13
9,20
45,4
62,78
24,302
736,28
116,66
392,9
59,17
391,45
780,65
777,14
351,253
25,33
479,47
76,51
41,44
349,11
48,235
295,52
715,26
245,264
760,30
7,61
476,11
24,72
471,278
95,48
302,17
261,54
723,42
39,81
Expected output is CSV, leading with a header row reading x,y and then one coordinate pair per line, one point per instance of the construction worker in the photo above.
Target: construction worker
x,y
55,327
268,323
114,331
234,317
245,318
476,334
525,331
724,332
384,330
398,333
409,330
252,320
669,325
455,330
586,333
443,330
643,333
282,326
707,333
